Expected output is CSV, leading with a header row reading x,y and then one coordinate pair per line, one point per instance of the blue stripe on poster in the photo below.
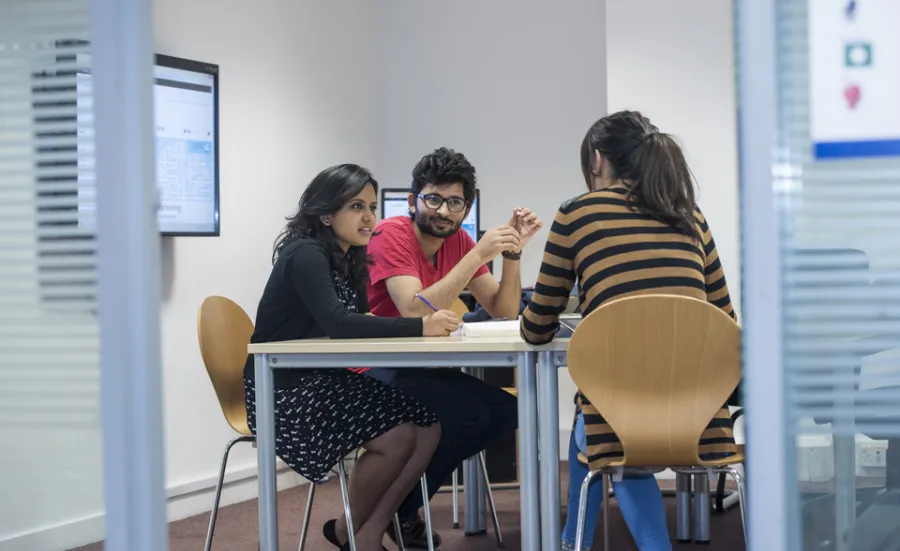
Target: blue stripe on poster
x,y
871,148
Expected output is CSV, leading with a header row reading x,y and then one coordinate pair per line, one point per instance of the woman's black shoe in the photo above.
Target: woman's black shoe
x,y
329,530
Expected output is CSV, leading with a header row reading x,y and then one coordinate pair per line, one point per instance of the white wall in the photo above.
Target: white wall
x,y
296,97
512,85
677,67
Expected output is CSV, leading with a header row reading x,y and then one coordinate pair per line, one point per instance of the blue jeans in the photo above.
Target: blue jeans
x,y
638,496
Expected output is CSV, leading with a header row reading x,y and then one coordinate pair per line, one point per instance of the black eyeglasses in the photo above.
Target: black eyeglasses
x,y
434,201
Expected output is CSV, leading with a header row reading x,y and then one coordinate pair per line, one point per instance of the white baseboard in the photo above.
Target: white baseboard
x,y
195,497
183,500
65,535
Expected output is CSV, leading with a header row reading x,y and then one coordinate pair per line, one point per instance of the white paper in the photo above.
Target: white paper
x,y
490,329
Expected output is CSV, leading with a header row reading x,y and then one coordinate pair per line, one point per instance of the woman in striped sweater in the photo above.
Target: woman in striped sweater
x,y
638,230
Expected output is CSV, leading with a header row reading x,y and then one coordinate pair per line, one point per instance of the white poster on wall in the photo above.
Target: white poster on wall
x,y
854,78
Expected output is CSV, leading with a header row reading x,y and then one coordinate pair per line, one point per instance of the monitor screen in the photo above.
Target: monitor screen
x,y
185,111
395,202
185,104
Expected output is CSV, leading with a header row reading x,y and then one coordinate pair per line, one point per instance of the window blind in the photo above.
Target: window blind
x,y
49,333
840,279
840,262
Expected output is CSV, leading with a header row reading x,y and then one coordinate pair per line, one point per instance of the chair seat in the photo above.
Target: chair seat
x,y
715,463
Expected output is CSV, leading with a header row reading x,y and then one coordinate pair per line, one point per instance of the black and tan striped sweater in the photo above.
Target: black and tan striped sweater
x,y
614,251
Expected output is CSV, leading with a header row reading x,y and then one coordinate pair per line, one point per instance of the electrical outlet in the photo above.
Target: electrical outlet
x,y
871,454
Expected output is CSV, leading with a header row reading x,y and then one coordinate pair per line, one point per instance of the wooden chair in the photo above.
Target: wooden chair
x,y
224,330
657,368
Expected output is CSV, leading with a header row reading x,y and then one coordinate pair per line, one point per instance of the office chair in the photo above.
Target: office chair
x,y
682,351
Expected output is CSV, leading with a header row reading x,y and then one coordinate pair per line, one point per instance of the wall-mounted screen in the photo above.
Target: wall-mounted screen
x,y
186,116
395,202
186,132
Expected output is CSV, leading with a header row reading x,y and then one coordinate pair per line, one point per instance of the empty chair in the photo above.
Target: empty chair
x,y
223,330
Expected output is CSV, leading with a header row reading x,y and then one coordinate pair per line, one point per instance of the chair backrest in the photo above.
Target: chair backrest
x,y
224,331
459,307
657,368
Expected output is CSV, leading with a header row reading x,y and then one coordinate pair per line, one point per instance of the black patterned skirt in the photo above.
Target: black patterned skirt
x,y
329,414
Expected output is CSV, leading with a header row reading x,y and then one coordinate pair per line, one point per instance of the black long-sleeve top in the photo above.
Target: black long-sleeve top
x,y
301,301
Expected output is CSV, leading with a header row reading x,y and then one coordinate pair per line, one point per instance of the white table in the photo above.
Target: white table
x,y
540,509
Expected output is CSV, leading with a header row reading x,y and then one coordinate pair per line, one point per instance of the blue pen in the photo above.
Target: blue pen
x,y
425,300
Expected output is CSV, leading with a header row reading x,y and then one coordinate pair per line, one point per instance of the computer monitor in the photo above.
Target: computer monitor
x,y
186,130
186,116
395,202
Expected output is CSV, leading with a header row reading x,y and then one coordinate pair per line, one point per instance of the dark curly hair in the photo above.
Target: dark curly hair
x,y
661,184
444,167
328,192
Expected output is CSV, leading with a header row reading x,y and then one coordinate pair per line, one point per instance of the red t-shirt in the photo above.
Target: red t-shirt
x,y
396,251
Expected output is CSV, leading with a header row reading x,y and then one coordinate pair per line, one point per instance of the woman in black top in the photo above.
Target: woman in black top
x,y
318,289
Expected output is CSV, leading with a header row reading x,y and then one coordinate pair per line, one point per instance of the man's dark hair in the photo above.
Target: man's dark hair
x,y
443,167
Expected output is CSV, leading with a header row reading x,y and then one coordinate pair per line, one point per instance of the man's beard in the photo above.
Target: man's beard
x,y
428,225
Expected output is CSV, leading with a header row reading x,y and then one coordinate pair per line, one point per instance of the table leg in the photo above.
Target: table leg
x,y
682,507
475,523
548,434
844,489
702,506
528,453
474,489
265,453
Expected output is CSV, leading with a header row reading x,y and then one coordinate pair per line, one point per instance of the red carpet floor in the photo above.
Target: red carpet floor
x,y
236,529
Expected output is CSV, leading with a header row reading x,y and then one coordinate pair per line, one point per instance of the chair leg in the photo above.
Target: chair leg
x,y
427,507
582,510
309,504
487,484
215,508
400,546
456,498
607,482
345,495
742,495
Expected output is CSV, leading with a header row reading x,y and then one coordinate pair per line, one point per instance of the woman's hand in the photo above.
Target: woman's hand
x,y
439,324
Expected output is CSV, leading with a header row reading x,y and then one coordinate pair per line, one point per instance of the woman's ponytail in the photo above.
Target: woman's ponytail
x,y
663,184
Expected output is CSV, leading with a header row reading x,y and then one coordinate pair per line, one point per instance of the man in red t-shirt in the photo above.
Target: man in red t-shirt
x,y
425,254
